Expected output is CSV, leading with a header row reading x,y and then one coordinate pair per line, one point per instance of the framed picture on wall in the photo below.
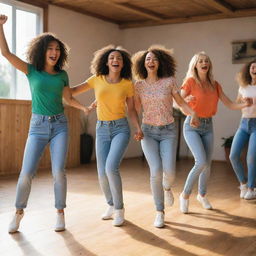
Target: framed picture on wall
x,y
243,51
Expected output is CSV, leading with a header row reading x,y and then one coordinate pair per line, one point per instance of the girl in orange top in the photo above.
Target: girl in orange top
x,y
202,93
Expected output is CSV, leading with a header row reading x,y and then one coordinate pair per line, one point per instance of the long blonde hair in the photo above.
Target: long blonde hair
x,y
192,70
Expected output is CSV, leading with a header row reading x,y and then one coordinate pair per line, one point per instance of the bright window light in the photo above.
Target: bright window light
x,y
24,23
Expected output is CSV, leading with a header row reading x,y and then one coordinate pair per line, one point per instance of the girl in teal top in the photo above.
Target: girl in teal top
x,y
48,82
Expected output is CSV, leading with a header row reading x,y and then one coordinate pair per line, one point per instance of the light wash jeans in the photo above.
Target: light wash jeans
x,y
200,143
159,146
112,138
41,132
246,133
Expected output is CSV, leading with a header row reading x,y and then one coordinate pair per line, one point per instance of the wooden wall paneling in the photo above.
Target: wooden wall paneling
x,y
14,125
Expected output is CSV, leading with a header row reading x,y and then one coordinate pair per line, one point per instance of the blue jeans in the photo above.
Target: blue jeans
x,y
112,138
159,147
200,143
41,132
246,133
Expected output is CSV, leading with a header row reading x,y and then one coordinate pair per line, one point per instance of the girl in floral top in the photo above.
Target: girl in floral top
x,y
154,94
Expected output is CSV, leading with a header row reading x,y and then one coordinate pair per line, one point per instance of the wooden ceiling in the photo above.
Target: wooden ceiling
x,y
141,13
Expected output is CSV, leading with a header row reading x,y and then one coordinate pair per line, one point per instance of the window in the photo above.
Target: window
x,y
24,23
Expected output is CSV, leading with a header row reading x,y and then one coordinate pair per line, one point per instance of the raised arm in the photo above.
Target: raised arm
x,y
13,59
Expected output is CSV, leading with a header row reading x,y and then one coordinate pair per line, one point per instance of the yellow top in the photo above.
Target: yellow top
x,y
111,98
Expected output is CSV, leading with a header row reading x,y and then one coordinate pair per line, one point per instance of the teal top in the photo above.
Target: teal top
x,y
46,90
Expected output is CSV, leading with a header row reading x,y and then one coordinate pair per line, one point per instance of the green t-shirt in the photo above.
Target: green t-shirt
x,y
46,90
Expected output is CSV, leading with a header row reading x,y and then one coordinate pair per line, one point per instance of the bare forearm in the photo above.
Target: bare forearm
x,y
134,118
186,109
3,43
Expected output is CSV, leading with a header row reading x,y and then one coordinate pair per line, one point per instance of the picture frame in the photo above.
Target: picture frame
x,y
243,51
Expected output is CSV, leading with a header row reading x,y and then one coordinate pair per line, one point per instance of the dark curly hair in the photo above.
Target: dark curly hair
x,y
37,49
98,64
167,64
244,77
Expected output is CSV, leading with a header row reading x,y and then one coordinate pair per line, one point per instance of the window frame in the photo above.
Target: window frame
x,y
41,9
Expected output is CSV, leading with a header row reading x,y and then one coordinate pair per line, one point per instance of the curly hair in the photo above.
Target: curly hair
x,y
192,70
167,64
98,64
37,49
244,77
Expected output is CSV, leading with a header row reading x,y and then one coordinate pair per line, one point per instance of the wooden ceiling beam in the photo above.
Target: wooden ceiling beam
x,y
235,14
220,5
80,10
134,9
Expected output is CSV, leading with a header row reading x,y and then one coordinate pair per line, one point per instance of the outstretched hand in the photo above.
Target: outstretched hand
x,y
3,19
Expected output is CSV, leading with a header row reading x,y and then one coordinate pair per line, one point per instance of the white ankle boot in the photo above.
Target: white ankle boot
x,y
204,202
169,198
118,217
15,222
60,222
243,190
108,214
159,220
184,203
250,194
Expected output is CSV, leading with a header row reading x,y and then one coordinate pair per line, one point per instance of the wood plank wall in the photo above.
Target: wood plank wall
x,y
14,124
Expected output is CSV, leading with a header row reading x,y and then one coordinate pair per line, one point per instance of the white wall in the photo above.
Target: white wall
x,y
85,35
213,37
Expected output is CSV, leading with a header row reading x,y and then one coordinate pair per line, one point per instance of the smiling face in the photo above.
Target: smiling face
x,y
253,71
151,63
203,64
52,53
115,62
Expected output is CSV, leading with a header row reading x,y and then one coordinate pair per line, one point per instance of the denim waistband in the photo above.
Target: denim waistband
x,y
205,119
160,127
113,122
49,118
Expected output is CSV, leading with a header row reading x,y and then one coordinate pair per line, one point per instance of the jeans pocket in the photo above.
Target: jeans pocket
x,y
63,119
36,121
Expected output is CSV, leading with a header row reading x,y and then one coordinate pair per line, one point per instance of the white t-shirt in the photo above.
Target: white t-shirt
x,y
249,91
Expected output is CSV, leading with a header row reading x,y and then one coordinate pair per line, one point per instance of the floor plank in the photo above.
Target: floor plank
x,y
229,229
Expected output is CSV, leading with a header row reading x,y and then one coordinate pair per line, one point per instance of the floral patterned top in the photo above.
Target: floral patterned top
x,y
156,100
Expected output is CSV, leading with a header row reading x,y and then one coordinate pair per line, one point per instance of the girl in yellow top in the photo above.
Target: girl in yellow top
x,y
111,81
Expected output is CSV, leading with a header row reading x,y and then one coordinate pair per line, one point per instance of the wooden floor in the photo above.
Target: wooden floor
x,y
229,229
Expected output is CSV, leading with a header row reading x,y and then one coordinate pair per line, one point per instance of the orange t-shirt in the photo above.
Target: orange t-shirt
x,y
205,100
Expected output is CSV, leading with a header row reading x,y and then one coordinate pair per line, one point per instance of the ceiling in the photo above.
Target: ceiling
x,y
141,13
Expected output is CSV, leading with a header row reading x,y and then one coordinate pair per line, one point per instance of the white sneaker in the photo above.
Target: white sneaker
x,y
15,223
118,217
159,220
250,195
243,190
169,198
60,222
108,214
204,201
183,204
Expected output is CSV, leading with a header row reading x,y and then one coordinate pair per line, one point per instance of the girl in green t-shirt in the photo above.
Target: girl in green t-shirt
x,y
48,82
